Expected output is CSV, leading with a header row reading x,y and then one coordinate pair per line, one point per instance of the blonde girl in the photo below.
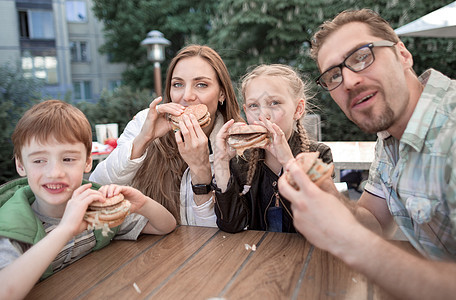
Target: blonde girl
x,y
246,189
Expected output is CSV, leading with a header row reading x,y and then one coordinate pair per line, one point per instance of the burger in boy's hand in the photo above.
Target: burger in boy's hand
x,y
242,136
315,168
108,214
199,111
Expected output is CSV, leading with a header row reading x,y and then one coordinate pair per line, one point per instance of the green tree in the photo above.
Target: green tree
x,y
250,32
117,107
17,94
127,23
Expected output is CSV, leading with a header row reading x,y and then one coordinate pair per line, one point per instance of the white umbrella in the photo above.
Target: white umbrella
x,y
439,23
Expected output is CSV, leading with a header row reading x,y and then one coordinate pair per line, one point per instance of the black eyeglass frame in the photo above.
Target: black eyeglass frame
x,y
382,43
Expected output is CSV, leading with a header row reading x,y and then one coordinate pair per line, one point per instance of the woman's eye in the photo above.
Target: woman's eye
x,y
177,84
201,85
69,159
38,161
275,102
252,105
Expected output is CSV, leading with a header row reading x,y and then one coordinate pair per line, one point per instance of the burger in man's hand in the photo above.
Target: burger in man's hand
x,y
315,168
242,136
199,111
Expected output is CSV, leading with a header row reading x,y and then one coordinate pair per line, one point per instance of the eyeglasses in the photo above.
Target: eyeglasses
x,y
356,61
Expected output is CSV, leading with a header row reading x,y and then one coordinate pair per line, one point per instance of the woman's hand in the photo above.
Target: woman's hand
x,y
76,207
192,143
278,146
155,126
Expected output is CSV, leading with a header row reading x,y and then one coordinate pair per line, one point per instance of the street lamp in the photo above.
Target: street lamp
x,y
156,43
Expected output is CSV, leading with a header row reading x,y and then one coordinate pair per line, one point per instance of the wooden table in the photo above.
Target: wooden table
x,y
201,262
351,155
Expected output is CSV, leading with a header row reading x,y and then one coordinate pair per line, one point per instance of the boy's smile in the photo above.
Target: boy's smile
x,y
54,170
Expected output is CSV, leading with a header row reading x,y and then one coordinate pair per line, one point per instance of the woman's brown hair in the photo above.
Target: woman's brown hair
x,y
159,177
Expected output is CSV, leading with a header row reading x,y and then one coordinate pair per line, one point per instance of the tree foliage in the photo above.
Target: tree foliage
x,y
127,23
117,107
17,94
250,32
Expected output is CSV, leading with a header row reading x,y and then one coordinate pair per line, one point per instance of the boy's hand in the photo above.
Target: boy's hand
x,y
161,221
76,207
136,198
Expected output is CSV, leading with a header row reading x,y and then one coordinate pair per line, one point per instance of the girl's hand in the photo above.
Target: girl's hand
x,y
222,155
136,198
76,207
223,152
278,146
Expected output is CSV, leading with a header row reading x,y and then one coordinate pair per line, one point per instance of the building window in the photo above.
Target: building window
x,y
113,85
82,90
79,51
76,11
43,67
36,24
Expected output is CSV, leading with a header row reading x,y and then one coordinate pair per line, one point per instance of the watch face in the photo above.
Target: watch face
x,y
201,189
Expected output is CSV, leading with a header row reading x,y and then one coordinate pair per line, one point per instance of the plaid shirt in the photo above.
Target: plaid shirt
x,y
416,175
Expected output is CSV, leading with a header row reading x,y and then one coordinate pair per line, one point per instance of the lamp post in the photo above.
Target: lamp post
x,y
156,43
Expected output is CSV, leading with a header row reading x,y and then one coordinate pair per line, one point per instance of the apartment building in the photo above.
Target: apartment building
x,y
58,41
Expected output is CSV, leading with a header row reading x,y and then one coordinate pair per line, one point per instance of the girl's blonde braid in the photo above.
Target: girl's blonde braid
x,y
305,144
255,155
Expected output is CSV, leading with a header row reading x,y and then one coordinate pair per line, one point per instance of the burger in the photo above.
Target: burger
x,y
108,214
199,111
315,168
242,136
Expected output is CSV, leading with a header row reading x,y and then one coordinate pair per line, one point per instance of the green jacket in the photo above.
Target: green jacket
x,y
19,222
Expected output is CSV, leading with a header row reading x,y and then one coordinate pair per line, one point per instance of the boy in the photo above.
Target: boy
x,y
41,217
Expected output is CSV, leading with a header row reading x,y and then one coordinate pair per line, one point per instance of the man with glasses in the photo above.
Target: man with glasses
x,y
412,181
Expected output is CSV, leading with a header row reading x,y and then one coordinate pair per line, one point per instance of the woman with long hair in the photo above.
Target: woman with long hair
x,y
175,168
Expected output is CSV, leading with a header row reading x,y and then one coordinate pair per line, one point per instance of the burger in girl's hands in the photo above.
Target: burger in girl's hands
x,y
242,136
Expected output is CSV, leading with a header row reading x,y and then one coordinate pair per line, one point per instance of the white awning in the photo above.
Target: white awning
x,y
439,23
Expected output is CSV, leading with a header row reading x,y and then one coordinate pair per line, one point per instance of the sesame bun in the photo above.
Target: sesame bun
x,y
242,136
199,111
108,214
314,167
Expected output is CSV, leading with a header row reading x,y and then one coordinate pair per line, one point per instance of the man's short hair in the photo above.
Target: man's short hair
x,y
378,27
52,119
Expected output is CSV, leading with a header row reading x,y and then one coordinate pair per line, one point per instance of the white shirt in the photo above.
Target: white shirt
x,y
119,168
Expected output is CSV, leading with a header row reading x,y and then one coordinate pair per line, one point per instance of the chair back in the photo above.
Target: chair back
x,y
312,124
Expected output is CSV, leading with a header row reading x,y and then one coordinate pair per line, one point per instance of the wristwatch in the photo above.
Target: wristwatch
x,y
201,189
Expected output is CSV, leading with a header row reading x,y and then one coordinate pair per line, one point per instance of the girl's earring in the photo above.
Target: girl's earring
x,y
221,101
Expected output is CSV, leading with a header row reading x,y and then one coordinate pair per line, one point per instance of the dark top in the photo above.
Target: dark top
x,y
236,212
